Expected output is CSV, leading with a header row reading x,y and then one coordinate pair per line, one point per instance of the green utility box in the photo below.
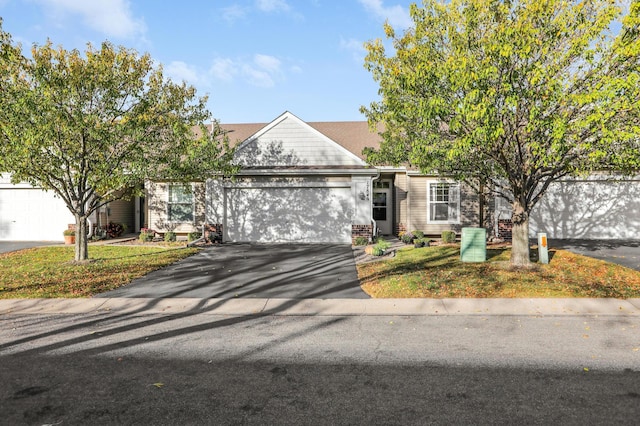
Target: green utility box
x,y
473,246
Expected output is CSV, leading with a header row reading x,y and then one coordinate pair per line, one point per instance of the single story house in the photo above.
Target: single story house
x,y
308,182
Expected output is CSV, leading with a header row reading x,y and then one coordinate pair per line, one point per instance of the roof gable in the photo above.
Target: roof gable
x,y
290,142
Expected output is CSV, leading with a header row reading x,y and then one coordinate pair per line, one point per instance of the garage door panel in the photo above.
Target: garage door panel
x,y
28,214
589,210
289,214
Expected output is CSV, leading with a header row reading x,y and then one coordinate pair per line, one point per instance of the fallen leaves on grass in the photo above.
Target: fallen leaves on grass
x,y
49,272
437,272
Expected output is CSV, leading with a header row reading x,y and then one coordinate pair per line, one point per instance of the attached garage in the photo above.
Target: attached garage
x,y
314,212
31,214
595,208
296,185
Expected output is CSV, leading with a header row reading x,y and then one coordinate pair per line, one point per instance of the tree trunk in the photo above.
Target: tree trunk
x,y
82,252
520,237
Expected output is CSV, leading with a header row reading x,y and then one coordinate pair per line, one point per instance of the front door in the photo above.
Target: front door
x,y
382,206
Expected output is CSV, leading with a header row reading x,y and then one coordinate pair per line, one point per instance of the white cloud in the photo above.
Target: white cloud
x,y
181,71
268,63
356,47
233,13
261,71
397,16
110,17
273,5
224,69
257,77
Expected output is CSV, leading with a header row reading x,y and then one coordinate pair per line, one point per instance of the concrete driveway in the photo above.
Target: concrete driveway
x,y
7,246
292,271
622,252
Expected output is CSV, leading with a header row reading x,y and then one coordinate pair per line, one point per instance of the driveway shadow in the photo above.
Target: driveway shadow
x,y
290,271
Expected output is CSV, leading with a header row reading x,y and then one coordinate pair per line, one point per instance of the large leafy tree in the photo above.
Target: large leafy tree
x,y
93,126
512,94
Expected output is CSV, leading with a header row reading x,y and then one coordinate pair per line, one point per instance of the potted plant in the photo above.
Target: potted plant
x,y
69,236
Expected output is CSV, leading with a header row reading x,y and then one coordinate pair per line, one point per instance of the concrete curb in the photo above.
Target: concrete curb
x,y
326,307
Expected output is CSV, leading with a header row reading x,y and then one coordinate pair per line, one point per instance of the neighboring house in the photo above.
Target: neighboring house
x,y
308,182
32,214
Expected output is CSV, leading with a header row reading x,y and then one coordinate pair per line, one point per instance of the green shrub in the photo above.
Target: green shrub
x,y
169,236
448,237
426,241
407,237
418,243
382,244
192,236
360,241
68,232
146,235
377,251
417,234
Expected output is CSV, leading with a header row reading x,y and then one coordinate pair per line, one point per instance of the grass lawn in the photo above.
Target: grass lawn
x,y
48,271
437,272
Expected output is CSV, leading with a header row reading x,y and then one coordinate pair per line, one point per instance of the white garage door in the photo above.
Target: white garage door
x,y
28,214
301,214
593,209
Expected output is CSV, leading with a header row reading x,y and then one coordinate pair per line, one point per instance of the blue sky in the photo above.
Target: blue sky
x,y
254,58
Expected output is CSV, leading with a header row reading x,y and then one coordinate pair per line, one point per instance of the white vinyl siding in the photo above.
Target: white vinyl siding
x,y
180,207
289,142
443,202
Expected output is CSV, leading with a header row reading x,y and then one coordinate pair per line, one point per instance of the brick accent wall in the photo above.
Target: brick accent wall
x,y
213,233
400,227
504,228
361,231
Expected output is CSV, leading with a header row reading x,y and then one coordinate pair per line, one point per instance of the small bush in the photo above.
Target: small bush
x,y
146,235
114,230
360,241
448,237
382,244
169,236
69,232
407,237
421,242
417,234
192,236
377,251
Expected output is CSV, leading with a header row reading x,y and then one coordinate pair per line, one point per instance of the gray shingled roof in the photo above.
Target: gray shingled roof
x,y
352,135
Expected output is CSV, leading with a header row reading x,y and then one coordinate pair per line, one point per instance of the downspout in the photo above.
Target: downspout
x,y
375,225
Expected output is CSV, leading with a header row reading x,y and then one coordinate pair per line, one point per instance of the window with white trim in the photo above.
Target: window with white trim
x,y
443,202
180,206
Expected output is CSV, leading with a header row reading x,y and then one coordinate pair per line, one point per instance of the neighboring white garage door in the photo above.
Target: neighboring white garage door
x,y
28,214
594,209
300,214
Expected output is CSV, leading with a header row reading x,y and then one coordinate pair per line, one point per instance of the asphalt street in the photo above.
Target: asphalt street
x,y
198,368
